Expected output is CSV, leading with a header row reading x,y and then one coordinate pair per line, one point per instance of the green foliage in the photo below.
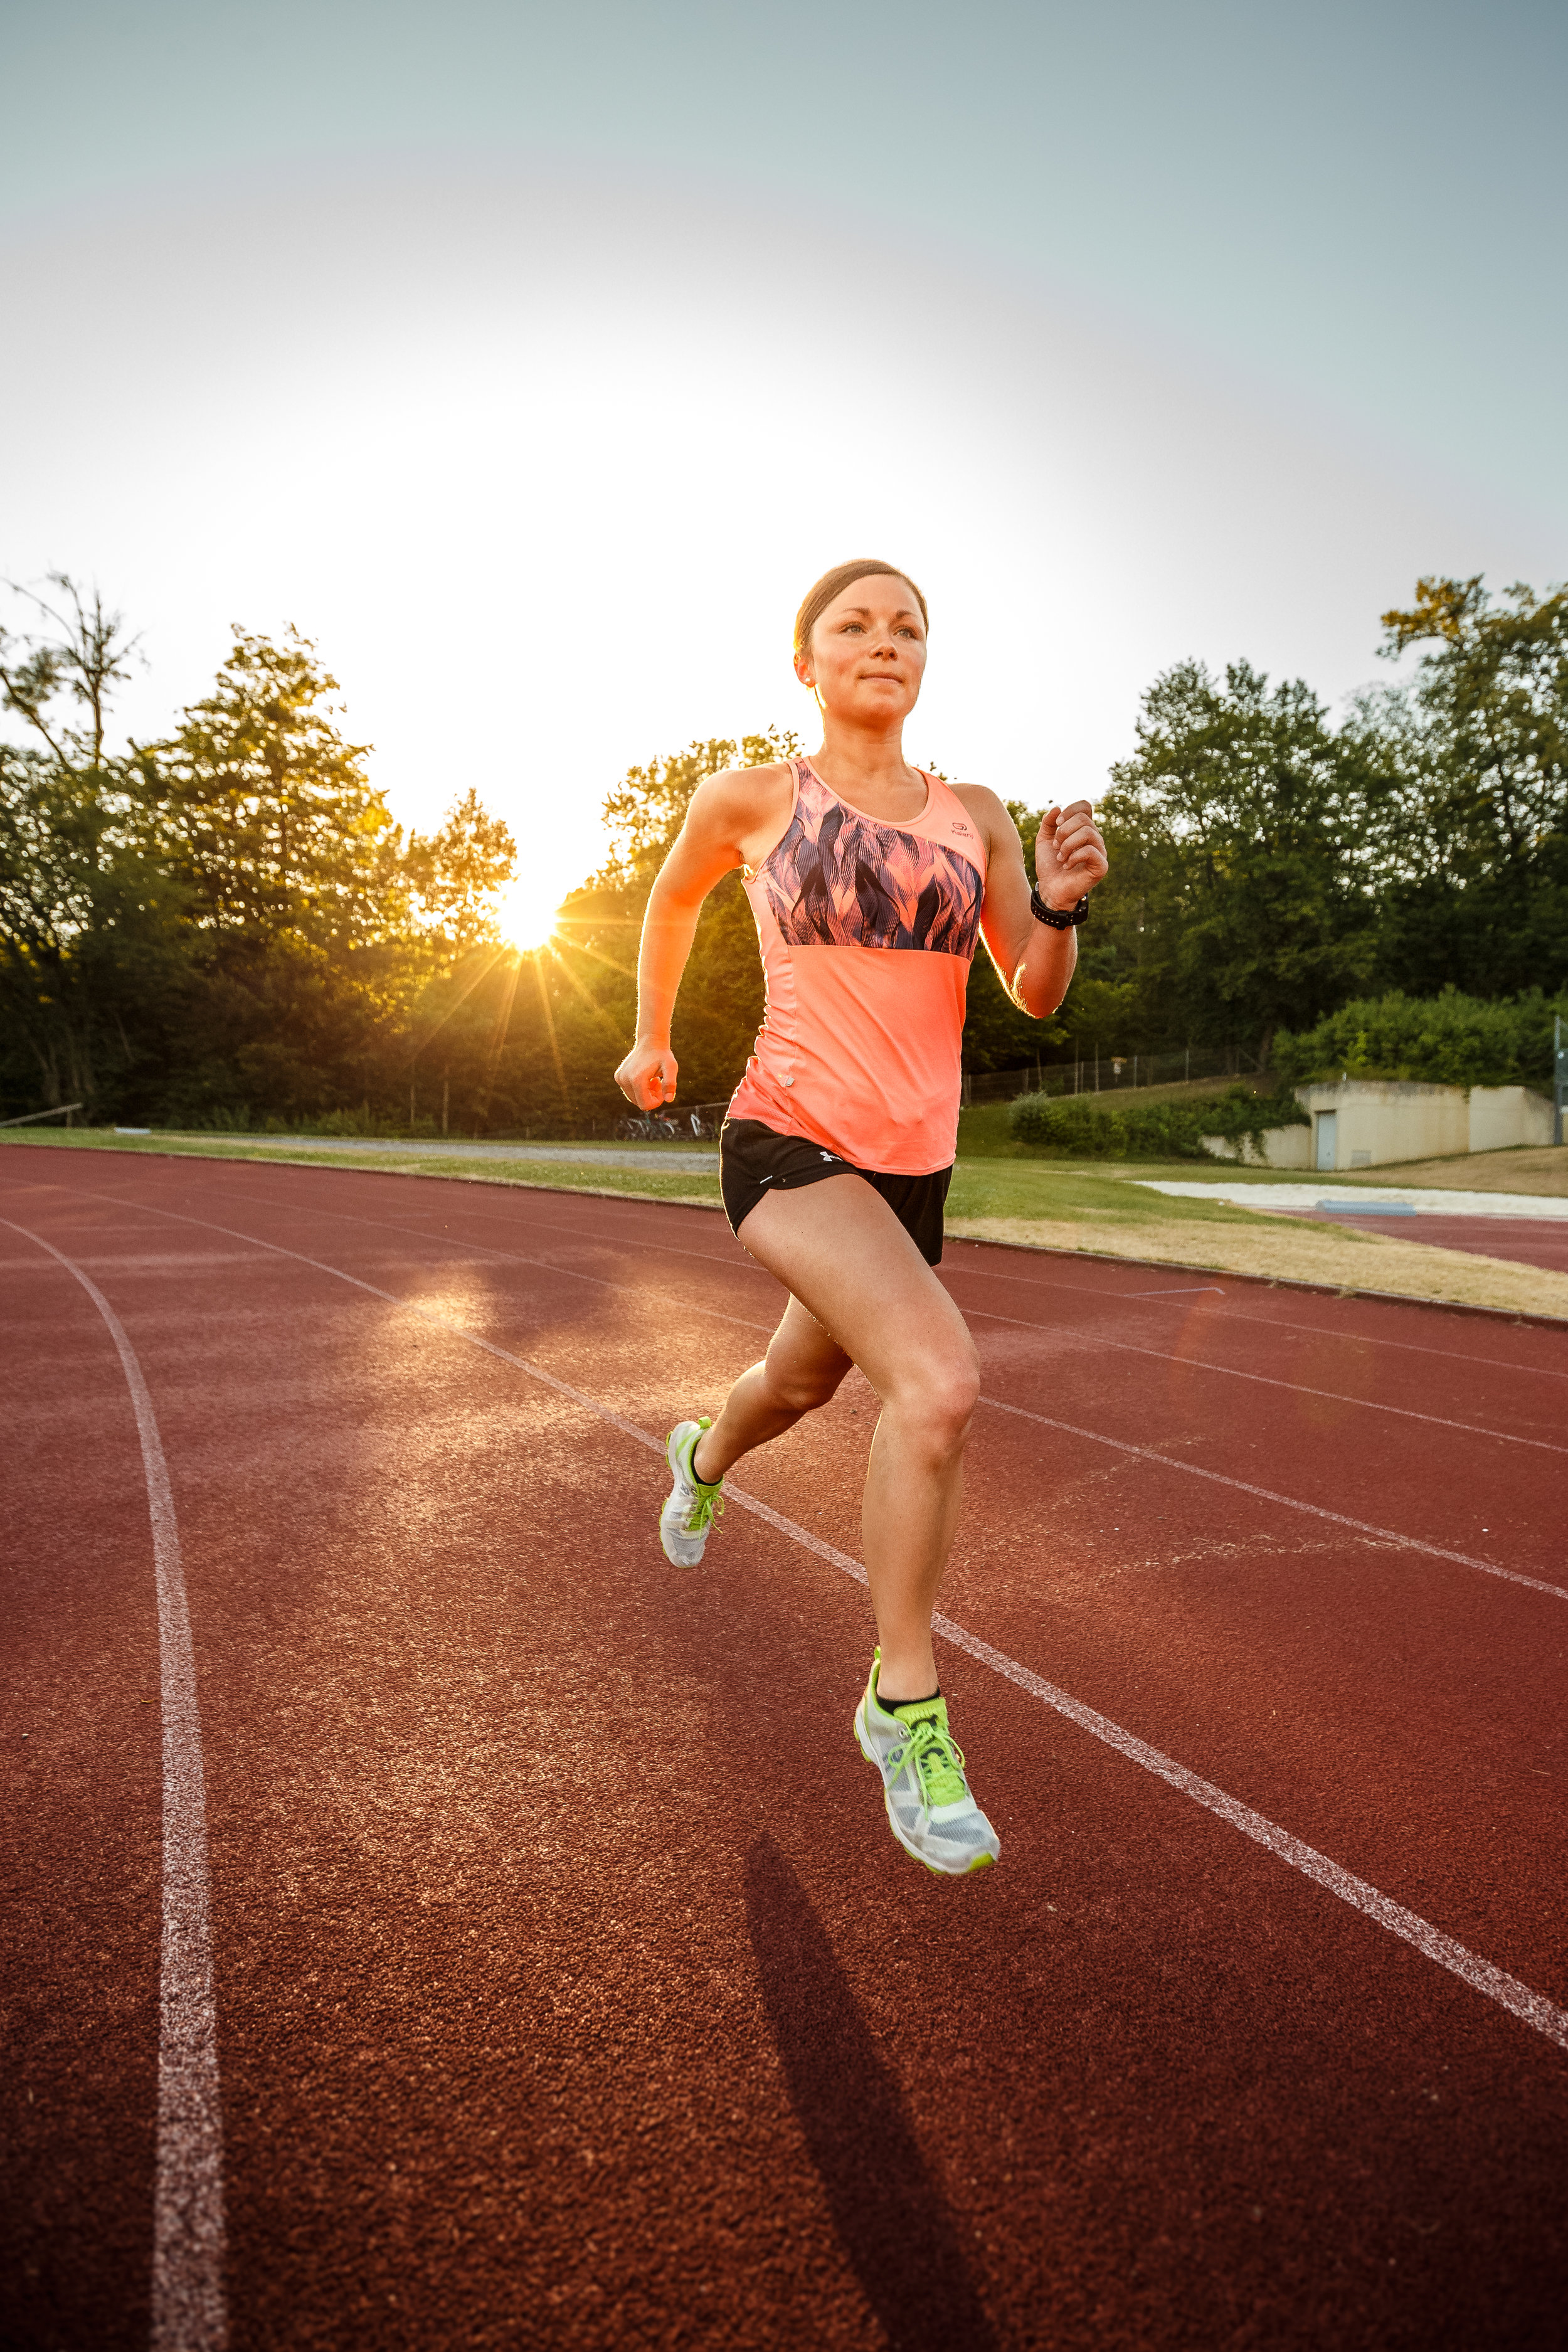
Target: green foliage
x,y
1100,1126
1470,847
267,812
1447,1040
996,1034
1239,900
228,925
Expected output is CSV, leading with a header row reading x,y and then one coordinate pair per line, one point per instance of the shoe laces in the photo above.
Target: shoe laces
x,y
937,1759
707,1504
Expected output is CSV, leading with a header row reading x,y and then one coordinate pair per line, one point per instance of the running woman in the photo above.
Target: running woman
x,y
871,882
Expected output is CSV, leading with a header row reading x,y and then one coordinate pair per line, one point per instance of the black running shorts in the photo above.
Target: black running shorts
x,y
754,1159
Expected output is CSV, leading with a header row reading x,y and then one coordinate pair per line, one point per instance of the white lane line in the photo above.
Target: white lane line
x,y
1267,1381
189,2312
985,1313
1263,1322
453,1243
1520,2000
748,1265
1268,1494
1094,1436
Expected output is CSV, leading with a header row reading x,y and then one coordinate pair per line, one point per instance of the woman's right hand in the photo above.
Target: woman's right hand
x,y
647,1076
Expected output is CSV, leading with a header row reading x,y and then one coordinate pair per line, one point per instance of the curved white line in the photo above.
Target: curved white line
x,y
1094,1436
985,1313
189,2310
1190,1469
1533,2009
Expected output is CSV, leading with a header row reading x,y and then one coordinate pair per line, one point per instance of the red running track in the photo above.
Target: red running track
x,y
1528,1240
569,1990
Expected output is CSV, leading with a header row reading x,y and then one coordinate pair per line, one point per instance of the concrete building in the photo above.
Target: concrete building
x,y
1372,1123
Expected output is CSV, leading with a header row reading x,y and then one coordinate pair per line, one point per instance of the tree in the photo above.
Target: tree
x,y
456,873
1241,819
87,911
268,811
225,925
1475,847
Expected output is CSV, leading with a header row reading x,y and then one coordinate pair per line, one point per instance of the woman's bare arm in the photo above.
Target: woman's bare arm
x,y
1034,961
726,815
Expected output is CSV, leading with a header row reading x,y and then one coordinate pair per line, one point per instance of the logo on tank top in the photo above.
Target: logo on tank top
x,y
840,879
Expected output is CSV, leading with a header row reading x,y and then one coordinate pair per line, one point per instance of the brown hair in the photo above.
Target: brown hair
x,y
833,583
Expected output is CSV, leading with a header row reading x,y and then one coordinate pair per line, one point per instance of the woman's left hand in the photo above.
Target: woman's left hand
x,y
1069,855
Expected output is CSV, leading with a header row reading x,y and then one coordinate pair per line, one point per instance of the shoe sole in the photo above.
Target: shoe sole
x,y
981,1861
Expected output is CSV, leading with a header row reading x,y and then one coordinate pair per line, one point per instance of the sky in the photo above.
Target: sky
x,y
534,360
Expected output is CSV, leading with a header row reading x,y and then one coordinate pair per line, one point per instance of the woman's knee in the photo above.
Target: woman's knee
x,y
937,1401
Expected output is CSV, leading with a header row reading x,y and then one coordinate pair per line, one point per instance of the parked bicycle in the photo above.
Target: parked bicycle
x,y
646,1129
664,1127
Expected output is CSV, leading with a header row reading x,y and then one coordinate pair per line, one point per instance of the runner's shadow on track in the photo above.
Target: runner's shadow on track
x,y
891,2218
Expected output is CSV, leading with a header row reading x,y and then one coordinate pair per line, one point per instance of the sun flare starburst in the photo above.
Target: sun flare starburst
x,y
526,913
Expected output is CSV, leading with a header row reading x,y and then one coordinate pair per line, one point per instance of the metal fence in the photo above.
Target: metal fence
x,y
1097,1073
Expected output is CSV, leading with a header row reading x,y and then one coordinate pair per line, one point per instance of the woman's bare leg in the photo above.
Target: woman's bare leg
x,y
860,1281
801,1369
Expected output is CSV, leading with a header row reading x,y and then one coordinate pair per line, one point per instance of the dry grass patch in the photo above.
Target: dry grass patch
x,y
1530,1167
1278,1252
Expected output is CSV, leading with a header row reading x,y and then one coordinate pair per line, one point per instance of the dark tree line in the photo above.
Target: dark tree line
x,y
223,924
227,927
1269,866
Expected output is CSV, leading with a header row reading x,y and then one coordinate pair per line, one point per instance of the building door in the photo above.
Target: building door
x,y
1327,1123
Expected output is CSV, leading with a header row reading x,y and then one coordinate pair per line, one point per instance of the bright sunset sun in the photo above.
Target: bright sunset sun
x,y
526,911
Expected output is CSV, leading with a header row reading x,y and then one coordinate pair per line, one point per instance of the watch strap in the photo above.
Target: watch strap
x,y
1060,918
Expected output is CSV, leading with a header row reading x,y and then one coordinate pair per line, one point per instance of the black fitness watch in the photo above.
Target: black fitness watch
x,y
1060,918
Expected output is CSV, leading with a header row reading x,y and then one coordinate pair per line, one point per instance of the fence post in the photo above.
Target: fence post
x,y
1559,1080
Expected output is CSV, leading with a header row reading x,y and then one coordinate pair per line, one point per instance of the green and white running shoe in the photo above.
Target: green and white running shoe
x,y
930,1809
692,1507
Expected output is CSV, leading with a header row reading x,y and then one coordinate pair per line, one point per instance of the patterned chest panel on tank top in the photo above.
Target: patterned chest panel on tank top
x,y
840,879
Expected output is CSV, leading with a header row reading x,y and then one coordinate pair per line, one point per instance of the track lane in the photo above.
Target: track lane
x,y
1526,1407
1204,1326
1472,1822
189,2312
1474,1818
1286,1426
79,1826
1530,1843
1086,2098
1368,1326
1297,1425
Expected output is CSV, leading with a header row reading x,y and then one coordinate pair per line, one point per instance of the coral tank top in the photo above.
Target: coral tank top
x,y
867,931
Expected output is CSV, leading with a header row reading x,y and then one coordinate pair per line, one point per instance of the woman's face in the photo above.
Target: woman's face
x,y
867,652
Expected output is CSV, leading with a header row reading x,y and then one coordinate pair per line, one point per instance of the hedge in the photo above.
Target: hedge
x,y
1448,1040
1096,1127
